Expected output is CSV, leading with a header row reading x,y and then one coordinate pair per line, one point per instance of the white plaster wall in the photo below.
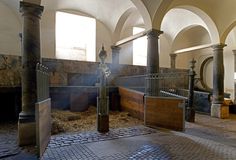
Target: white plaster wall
x,y
183,59
165,50
126,52
192,37
48,37
229,62
10,27
103,37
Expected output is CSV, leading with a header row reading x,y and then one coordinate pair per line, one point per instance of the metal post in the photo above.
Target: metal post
x,y
103,99
190,110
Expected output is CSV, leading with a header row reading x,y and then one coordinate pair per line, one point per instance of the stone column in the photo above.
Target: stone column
x,y
234,52
153,51
152,88
217,107
115,55
30,57
172,60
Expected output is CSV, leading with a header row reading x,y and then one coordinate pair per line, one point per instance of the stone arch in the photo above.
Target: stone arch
x,y
160,13
211,27
144,13
121,22
227,31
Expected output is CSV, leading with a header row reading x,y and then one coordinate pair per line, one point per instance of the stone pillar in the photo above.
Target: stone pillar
x,y
115,55
152,88
172,60
217,107
234,52
30,57
153,51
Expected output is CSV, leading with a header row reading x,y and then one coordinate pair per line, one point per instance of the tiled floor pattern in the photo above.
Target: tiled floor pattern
x,y
161,144
8,142
206,139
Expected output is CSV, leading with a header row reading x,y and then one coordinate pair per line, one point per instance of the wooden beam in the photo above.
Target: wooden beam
x,y
131,38
193,48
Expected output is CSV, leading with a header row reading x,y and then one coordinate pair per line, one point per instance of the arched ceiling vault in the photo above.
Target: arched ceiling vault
x,y
219,16
227,31
211,26
222,14
192,16
144,13
184,38
121,22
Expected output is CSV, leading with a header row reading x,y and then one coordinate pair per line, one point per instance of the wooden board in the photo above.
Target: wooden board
x,y
166,112
132,102
43,125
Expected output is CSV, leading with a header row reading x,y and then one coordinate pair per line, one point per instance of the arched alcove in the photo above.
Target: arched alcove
x,y
144,13
193,35
188,32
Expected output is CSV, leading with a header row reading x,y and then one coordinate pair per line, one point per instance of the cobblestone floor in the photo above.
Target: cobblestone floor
x,y
206,139
69,139
8,143
156,144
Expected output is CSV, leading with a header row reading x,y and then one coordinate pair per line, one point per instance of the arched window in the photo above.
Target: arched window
x,y
139,48
75,37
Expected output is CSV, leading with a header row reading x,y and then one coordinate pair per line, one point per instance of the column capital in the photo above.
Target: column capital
x,y
218,46
234,51
154,33
115,47
173,55
30,9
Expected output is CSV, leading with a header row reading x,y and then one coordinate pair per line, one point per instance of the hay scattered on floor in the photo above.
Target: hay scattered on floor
x,y
67,121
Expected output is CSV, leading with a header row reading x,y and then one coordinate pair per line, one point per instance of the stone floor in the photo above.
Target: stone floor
x,y
206,139
8,143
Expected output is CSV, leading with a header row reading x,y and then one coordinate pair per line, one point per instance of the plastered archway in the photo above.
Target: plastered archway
x,y
227,31
144,13
202,38
121,22
211,27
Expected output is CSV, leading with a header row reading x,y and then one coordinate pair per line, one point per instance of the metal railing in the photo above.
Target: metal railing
x,y
42,82
166,84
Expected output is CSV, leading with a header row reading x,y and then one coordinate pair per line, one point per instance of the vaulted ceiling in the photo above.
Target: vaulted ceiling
x,y
221,13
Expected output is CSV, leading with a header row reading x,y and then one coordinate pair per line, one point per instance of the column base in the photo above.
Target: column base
x,y
219,111
26,133
103,123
